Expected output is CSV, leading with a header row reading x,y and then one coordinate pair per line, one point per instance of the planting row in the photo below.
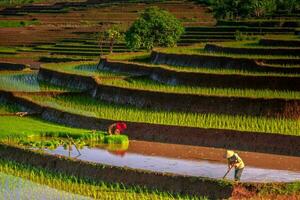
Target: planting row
x,y
174,75
219,48
259,64
233,132
143,95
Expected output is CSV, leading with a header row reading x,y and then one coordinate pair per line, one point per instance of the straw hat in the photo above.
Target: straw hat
x,y
229,154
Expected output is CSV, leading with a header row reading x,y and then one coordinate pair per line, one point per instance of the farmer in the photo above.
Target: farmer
x,y
235,161
117,128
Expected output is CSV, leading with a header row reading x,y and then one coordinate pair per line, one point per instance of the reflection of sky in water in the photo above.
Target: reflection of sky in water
x,y
15,188
178,166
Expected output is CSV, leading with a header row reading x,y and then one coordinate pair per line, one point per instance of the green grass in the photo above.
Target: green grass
x,y
14,126
199,50
81,68
85,187
88,106
13,23
17,2
250,44
144,59
149,85
25,81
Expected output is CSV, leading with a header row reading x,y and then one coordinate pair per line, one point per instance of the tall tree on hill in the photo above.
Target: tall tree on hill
x,y
154,28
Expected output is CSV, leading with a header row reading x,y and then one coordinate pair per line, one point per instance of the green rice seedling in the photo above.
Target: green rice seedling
x,y
132,58
14,126
86,187
149,85
199,50
116,139
13,23
85,105
25,81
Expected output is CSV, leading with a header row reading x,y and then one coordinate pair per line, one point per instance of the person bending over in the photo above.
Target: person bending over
x,y
117,128
235,161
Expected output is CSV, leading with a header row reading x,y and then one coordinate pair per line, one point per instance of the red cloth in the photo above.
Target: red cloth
x,y
121,126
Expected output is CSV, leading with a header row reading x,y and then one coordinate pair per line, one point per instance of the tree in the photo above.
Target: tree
x,y
260,8
154,28
236,9
111,36
288,5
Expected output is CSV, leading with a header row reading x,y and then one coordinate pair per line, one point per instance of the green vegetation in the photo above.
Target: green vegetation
x,y
88,106
146,84
85,187
16,2
82,68
25,81
236,9
154,28
199,50
10,23
14,126
113,34
13,187
143,59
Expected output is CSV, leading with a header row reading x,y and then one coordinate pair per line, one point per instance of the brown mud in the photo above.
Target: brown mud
x,y
261,160
219,138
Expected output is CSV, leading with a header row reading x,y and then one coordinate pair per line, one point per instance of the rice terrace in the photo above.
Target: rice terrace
x,y
149,99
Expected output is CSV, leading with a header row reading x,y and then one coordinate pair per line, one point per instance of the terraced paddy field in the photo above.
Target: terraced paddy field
x,y
184,106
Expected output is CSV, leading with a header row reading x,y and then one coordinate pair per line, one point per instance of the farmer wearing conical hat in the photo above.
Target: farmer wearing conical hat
x,y
117,128
235,161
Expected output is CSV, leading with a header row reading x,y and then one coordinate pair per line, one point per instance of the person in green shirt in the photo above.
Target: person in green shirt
x,y
235,161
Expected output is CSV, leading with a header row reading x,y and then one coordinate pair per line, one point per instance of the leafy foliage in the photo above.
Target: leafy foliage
x,y
154,28
236,9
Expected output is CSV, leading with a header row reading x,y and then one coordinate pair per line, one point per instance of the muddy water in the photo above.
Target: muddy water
x,y
176,162
12,188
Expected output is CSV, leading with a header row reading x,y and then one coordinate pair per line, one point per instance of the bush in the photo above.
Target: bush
x,y
154,28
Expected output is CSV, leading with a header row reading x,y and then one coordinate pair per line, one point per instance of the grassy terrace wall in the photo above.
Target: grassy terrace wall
x,y
199,103
203,79
212,61
184,102
278,42
219,138
67,80
215,189
261,23
12,66
253,51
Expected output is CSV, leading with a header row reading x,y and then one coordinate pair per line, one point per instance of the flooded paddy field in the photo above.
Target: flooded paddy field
x,y
195,161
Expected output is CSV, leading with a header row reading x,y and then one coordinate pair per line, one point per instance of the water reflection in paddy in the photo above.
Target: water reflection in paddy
x,y
191,167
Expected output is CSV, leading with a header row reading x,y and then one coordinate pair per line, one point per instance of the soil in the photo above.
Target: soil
x,y
261,160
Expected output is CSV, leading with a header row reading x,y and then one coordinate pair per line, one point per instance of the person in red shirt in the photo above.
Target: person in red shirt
x,y
117,128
